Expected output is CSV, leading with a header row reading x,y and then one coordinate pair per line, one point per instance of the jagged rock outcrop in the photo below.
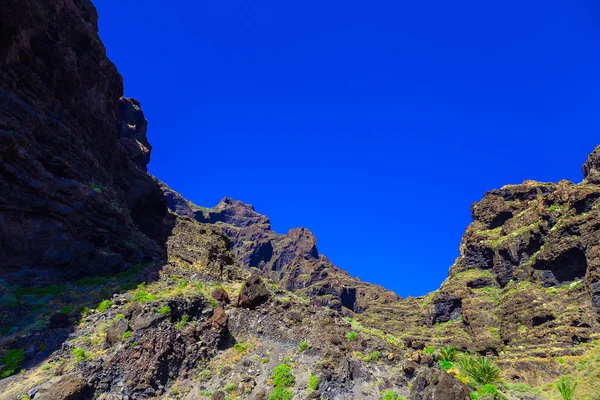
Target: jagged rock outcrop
x,y
526,283
75,197
292,260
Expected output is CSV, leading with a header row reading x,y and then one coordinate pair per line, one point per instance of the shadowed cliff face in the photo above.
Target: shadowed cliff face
x,y
75,197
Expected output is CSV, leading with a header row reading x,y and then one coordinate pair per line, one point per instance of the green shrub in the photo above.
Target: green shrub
x,y
104,305
351,335
84,311
374,356
566,386
282,376
265,360
445,365
481,370
313,382
429,350
230,387
181,283
487,392
447,353
126,335
303,346
182,322
142,296
79,354
165,310
390,395
240,348
11,362
119,316
280,393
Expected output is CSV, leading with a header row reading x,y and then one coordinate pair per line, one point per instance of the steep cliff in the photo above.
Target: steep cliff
x,y
75,197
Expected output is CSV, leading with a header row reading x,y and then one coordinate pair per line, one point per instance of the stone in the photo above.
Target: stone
x,y
115,332
253,293
68,387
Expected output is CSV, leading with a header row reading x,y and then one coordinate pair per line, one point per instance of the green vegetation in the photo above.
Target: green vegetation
x,y
96,188
494,333
447,353
566,386
480,370
390,395
282,376
303,346
142,296
523,390
79,354
281,394
487,392
265,360
230,387
11,362
429,350
445,365
165,310
182,322
104,305
126,335
240,348
119,316
66,310
351,335
52,290
313,382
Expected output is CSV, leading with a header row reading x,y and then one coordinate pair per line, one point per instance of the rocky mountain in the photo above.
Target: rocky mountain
x,y
113,286
524,290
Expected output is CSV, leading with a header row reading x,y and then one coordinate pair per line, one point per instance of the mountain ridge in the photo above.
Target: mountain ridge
x,y
113,286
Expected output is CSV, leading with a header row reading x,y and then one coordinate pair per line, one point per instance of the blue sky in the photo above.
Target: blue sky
x,y
374,124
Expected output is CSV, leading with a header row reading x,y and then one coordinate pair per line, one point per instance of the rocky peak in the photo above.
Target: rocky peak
x,y
591,167
304,241
237,213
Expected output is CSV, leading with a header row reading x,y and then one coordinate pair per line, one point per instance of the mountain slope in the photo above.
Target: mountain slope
x,y
525,289
107,294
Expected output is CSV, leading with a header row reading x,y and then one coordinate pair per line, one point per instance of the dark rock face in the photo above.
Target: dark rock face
x,y
437,385
68,387
253,293
75,197
591,167
115,332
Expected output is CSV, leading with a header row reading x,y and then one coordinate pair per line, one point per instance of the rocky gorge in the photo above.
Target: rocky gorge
x,y
114,286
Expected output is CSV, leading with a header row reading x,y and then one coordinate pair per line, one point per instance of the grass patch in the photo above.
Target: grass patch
x,y
104,305
79,354
11,362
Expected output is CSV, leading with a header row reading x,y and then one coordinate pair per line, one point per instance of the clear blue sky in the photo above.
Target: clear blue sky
x,y
374,124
